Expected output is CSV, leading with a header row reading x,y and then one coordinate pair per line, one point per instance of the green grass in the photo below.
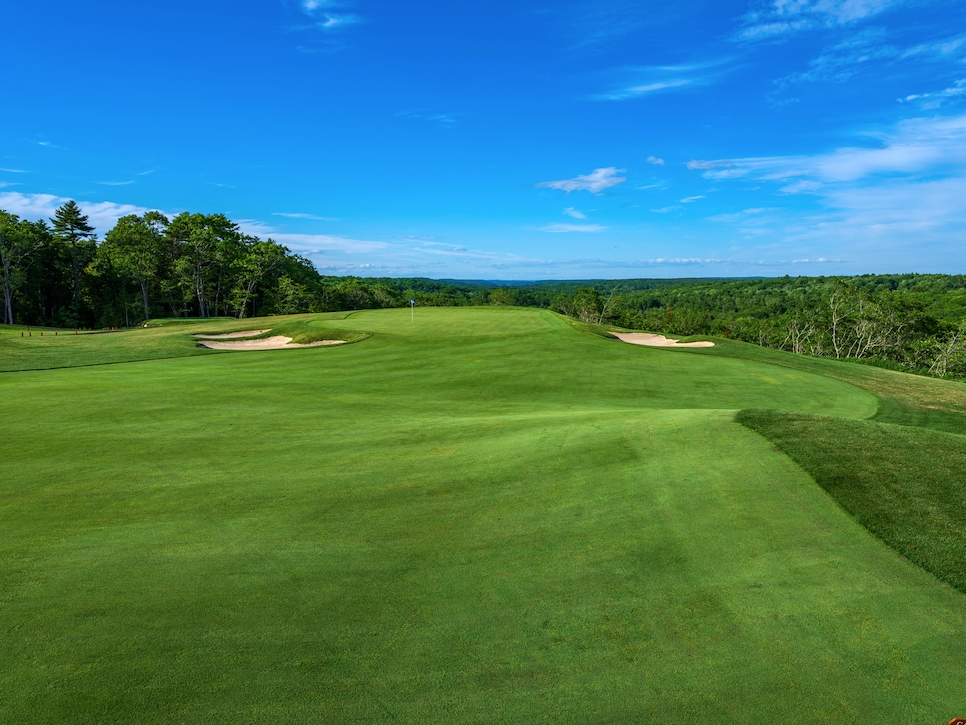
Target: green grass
x,y
905,484
162,339
483,516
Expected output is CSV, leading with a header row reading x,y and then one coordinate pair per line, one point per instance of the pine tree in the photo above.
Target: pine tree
x,y
70,225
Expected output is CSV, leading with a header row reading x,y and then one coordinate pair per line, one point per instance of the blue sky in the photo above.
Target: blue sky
x,y
507,140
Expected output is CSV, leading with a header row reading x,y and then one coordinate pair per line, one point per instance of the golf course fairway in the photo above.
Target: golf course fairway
x,y
483,515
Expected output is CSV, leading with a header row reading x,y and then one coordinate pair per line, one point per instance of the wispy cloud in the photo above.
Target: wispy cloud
x,y
14,171
689,199
294,215
8,184
942,48
311,243
575,213
914,146
841,61
563,228
667,209
115,183
638,82
697,164
596,182
683,261
873,202
443,119
936,98
780,18
592,23
440,247
740,216
869,48
655,161
331,22
327,20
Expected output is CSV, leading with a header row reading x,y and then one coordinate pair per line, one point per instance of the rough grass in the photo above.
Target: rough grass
x,y
482,516
905,484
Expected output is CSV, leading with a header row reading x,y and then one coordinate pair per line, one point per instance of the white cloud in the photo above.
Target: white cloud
x,y
310,243
655,161
785,17
684,261
103,215
841,61
805,186
316,243
563,228
14,171
740,216
666,209
897,203
313,217
595,182
936,98
337,22
704,165
937,48
115,183
689,199
443,119
648,80
919,145
575,213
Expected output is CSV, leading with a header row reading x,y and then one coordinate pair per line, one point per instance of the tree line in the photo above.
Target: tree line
x,y
911,322
56,272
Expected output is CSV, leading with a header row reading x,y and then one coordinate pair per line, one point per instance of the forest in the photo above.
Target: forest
x,y
58,273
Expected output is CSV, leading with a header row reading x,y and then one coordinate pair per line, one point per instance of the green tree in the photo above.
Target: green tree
x,y
204,247
70,225
290,296
252,269
19,240
135,247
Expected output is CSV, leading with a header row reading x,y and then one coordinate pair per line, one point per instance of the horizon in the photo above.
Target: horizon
x,y
577,141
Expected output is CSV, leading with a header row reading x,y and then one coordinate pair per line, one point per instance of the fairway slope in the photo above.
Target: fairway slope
x,y
478,515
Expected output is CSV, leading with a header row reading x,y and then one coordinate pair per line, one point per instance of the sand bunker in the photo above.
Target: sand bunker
x,y
230,335
276,342
646,338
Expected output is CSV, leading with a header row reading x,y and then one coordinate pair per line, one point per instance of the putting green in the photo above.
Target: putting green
x,y
482,516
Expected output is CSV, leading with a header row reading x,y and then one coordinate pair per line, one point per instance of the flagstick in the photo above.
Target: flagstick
x,y
413,315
